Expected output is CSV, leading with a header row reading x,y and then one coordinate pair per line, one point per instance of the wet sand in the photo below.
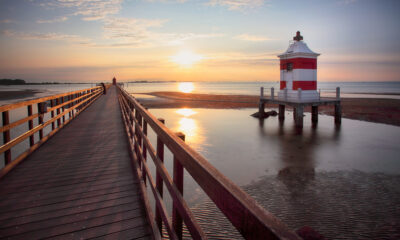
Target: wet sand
x,y
366,109
18,94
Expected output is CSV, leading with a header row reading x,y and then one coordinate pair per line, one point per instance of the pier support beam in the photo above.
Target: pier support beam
x,y
338,114
314,114
299,116
261,106
281,112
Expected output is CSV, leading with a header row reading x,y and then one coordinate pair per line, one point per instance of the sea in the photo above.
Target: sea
x,y
343,181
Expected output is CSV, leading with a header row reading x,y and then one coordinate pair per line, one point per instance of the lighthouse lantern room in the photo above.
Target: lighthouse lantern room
x,y
298,70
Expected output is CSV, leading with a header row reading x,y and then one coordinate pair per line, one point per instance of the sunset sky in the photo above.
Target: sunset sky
x,y
193,40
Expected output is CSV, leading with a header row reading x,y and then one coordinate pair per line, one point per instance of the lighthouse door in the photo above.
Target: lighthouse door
x,y
289,80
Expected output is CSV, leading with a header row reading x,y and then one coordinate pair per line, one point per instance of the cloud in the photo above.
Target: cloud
x,y
242,59
59,19
237,4
46,36
131,32
90,10
251,38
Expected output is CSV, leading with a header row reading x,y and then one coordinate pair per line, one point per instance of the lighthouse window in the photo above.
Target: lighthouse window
x,y
289,67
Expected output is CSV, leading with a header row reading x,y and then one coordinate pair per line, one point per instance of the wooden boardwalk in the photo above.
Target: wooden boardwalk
x,y
78,185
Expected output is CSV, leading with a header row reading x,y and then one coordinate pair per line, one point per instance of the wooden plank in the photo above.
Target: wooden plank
x,y
93,226
133,233
77,183
21,220
81,187
53,222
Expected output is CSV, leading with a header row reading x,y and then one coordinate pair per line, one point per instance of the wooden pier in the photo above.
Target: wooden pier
x,y
298,107
91,179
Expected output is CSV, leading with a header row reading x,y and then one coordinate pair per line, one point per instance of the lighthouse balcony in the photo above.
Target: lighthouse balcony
x,y
298,95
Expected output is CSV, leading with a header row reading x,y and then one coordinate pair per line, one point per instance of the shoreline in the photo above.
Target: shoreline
x,y
375,110
18,94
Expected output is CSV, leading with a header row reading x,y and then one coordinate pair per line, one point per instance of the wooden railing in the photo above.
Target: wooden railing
x,y
60,109
249,218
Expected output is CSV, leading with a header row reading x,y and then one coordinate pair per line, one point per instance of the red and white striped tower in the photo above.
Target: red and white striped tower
x,y
298,72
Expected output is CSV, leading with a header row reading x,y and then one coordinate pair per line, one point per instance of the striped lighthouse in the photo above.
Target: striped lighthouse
x,y
298,72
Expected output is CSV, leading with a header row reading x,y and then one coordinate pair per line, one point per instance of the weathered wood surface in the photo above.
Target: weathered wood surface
x,y
78,185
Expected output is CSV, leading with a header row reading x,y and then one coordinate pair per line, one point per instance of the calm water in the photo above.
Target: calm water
x,y
344,182
348,89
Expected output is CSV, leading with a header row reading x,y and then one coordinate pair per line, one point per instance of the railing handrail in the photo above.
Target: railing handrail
x,y
12,106
249,218
71,103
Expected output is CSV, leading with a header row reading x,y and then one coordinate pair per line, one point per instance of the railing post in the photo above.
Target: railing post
x,y
63,118
69,106
58,113
144,150
52,113
159,181
338,93
178,182
73,104
138,135
30,126
272,93
40,121
6,137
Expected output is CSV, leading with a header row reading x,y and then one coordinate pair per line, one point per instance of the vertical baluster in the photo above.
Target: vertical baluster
x,y
52,113
137,144
144,150
69,106
159,181
58,113
63,118
6,137
40,122
73,104
178,181
30,126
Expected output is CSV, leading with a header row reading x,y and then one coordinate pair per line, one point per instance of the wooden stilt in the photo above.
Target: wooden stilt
x,y
299,116
314,114
261,106
338,114
281,112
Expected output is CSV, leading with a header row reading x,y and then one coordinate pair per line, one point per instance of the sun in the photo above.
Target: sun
x,y
186,87
186,58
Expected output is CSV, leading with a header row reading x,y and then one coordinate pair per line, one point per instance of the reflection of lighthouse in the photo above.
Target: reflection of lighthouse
x,y
298,72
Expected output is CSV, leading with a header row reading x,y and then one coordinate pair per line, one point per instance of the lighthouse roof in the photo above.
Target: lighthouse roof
x,y
298,48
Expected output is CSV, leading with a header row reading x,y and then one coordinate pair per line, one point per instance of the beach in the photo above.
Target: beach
x,y
375,110
18,94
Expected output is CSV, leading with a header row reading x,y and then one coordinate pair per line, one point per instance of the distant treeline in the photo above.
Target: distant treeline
x,y
22,82
12,82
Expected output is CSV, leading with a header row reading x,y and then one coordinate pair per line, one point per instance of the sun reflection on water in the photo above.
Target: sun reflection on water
x,y
190,127
187,112
186,87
